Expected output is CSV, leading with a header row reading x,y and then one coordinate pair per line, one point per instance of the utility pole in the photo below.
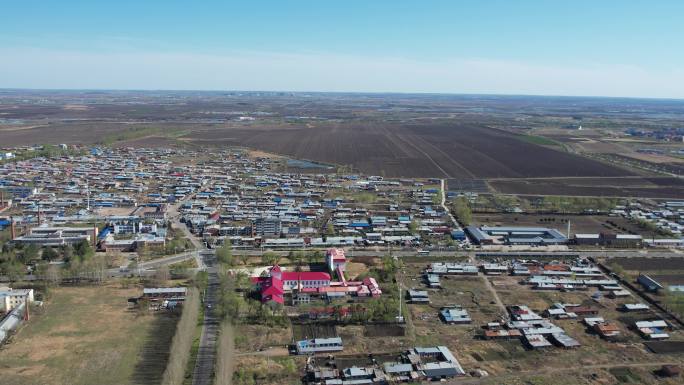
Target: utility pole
x,y
400,317
27,316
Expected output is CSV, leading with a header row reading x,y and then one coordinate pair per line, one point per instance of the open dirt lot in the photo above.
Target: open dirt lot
x,y
86,335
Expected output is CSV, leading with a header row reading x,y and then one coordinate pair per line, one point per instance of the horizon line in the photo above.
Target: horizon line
x,y
421,93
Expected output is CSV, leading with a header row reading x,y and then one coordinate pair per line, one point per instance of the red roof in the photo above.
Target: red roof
x,y
272,290
336,254
274,298
556,267
305,276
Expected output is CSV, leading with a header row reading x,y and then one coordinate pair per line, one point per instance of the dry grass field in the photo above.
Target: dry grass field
x,y
86,335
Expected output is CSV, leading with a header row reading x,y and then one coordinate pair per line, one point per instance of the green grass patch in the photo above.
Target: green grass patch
x,y
625,375
539,140
141,132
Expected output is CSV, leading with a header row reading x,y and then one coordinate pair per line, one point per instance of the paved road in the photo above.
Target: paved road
x,y
203,374
174,216
413,253
151,265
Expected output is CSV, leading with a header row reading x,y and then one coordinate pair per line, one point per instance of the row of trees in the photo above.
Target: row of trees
x,y
31,253
653,228
556,204
577,204
225,256
236,306
179,354
461,209
80,262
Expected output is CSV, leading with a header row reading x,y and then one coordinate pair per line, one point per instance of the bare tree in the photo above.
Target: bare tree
x,y
179,353
53,274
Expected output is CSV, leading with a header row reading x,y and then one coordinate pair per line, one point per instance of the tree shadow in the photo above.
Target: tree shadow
x,y
155,353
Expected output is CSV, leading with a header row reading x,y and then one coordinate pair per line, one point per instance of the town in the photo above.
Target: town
x,y
329,277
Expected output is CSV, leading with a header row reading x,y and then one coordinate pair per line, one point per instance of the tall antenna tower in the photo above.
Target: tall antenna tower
x,y
87,196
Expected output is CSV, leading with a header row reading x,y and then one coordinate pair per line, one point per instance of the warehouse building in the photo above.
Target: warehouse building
x,y
497,235
609,240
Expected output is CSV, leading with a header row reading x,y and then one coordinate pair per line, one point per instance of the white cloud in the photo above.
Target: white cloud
x,y
41,68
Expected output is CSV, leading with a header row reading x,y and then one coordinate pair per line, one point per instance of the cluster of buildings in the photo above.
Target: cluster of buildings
x,y
673,134
534,330
578,275
230,198
57,201
249,205
286,216
414,365
667,217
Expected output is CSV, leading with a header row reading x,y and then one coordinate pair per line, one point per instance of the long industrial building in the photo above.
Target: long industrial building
x,y
495,235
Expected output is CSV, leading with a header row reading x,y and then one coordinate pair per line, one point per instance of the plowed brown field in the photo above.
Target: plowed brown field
x,y
419,150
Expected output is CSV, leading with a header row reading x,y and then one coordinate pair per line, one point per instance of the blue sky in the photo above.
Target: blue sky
x,y
609,48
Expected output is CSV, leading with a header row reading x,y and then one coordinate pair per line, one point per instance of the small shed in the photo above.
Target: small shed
x,y
670,371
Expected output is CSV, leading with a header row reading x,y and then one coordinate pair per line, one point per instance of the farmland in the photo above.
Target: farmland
x,y
453,149
86,335
650,187
395,135
649,264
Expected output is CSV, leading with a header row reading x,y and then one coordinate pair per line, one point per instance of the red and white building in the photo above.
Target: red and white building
x,y
277,283
334,259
